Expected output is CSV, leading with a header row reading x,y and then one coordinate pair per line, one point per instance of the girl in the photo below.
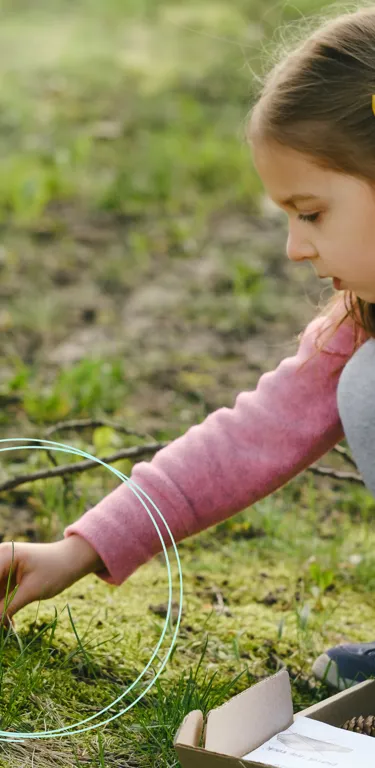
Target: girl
x,y
312,133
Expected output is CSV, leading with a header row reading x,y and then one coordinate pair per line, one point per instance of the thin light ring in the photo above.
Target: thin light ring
x,y
68,730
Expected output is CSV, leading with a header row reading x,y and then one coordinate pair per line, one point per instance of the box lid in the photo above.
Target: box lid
x,y
244,722
252,717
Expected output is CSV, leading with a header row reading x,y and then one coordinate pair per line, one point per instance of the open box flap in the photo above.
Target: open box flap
x,y
252,717
190,730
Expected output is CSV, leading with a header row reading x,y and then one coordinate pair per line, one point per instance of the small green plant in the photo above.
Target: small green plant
x,y
85,389
247,279
322,578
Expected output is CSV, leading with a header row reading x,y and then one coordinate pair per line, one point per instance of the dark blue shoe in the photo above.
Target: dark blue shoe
x,y
346,665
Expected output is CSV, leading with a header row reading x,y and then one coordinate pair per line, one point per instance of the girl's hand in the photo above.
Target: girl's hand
x,y
42,571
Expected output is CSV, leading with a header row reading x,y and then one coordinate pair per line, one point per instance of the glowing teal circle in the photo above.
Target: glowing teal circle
x,y
68,730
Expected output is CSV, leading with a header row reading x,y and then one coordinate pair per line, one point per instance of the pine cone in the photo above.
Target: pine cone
x,y
361,724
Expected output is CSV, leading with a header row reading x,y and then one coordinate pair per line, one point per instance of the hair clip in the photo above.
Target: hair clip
x,y
373,103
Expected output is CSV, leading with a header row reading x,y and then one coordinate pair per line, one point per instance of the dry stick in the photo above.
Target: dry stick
x,y
67,481
81,466
80,424
84,423
328,472
343,452
9,399
136,451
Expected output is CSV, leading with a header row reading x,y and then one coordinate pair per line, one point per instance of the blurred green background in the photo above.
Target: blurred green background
x,y
144,283
129,207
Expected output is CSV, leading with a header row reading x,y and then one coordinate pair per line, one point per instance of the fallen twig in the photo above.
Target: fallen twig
x,y
336,473
343,452
137,451
93,423
81,466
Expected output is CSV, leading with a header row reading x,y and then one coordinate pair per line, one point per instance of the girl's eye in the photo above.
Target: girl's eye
x,y
308,216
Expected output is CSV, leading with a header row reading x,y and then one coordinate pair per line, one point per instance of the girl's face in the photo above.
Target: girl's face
x,y
334,227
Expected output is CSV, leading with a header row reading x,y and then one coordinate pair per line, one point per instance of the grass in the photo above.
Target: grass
x,y
141,281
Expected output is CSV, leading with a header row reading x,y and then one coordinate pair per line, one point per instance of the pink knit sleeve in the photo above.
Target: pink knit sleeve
x,y
235,457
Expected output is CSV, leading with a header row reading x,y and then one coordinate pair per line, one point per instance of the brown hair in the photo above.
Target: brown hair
x,y
317,100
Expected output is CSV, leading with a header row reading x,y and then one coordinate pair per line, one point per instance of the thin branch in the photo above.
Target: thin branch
x,y
136,452
67,481
82,466
343,452
93,423
9,398
78,424
337,474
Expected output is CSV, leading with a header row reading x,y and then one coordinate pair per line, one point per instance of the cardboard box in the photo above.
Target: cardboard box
x,y
252,717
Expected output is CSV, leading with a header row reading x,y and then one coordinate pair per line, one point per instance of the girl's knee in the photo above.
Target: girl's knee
x,y
356,405
356,387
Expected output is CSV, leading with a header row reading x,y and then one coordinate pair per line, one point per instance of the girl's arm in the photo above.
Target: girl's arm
x,y
235,457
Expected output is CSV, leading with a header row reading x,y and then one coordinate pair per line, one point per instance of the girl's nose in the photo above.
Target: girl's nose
x,y
298,248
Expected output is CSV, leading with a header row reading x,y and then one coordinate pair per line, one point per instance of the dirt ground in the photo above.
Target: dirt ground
x,y
181,317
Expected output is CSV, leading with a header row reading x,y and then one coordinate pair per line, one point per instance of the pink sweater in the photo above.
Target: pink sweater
x,y
235,457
